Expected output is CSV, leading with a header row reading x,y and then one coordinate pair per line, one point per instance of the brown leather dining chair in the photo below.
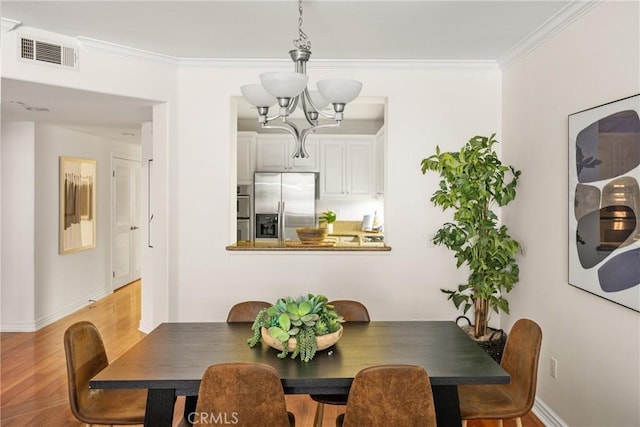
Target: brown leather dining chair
x,y
86,356
351,311
513,400
390,395
246,311
242,394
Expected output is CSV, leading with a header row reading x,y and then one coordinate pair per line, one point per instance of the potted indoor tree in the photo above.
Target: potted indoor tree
x,y
472,182
301,325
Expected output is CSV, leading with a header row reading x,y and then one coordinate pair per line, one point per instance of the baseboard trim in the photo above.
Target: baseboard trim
x,y
18,327
70,309
145,327
53,317
546,415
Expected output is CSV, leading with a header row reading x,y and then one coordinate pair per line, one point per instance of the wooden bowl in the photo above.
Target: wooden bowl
x,y
312,234
324,341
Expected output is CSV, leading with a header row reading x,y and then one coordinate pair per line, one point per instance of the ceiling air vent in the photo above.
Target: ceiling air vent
x,y
49,53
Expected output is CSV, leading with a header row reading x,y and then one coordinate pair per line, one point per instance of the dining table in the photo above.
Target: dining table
x,y
171,360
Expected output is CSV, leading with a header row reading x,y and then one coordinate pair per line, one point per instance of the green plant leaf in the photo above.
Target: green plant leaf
x,y
284,321
473,181
278,334
303,309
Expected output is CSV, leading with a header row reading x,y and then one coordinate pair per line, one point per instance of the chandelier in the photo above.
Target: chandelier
x,y
289,90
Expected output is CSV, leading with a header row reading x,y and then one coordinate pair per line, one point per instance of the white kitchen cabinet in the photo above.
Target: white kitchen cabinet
x,y
274,154
246,157
347,167
380,138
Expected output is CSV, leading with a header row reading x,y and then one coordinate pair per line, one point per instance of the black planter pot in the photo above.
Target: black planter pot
x,y
493,343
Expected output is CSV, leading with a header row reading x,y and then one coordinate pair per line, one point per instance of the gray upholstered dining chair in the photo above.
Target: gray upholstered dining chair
x,y
246,311
351,311
513,400
86,356
389,395
242,394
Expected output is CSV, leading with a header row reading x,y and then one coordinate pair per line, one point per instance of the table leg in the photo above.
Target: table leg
x,y
159,412
445,399
189,407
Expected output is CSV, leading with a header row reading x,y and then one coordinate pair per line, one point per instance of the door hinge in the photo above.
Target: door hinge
x,y
114,173
114,274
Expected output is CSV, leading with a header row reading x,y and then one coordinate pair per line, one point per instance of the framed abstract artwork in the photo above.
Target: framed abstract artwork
x,y
77,204
604,201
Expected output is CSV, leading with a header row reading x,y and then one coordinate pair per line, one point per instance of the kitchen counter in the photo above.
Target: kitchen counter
x,y
353,229
296,246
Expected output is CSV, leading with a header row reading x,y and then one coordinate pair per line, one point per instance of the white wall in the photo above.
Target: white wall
x,y
65,282
116,71
39,285
425,108
596,342
18,263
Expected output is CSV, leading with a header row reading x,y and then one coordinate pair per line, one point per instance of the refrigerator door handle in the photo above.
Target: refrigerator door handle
x,y
281,224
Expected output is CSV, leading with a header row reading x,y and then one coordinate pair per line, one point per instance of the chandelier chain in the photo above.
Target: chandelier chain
x,y
303,41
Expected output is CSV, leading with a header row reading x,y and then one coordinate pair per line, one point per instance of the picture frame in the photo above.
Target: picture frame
x,y
604,201
77,222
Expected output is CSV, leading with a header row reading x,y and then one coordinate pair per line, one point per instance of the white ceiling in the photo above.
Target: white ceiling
x,y
451,30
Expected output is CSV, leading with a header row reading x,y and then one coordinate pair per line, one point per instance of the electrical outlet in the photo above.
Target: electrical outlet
x,y
554,368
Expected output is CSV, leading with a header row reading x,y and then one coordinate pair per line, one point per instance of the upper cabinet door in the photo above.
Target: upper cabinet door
x,y
360,168
347,167
246,157
274,154
332,169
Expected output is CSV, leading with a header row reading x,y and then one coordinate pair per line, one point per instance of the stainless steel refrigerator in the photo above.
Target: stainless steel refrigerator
x,y
283,202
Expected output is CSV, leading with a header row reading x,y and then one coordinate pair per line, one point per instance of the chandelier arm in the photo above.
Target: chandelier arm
x,y
328,116
307,114
269,119
307,98
323,126
288,126
293,104
299,150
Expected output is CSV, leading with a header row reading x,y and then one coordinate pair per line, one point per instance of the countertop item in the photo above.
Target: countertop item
x,y
354,229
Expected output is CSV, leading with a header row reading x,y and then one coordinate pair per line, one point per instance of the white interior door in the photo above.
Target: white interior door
x,y
125,244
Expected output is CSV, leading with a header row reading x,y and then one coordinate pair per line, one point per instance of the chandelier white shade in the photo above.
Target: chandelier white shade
x,y
339,91
258,96
289,89
318,101
283,85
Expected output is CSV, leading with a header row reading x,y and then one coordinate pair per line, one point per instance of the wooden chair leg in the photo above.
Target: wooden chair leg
x,y
500,423
317,421
464,423
519,422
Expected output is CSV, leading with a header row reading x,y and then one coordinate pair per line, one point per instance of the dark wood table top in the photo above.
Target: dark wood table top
x,y
175,356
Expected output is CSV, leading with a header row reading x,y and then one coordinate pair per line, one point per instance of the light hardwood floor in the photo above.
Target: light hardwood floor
x,y
33,382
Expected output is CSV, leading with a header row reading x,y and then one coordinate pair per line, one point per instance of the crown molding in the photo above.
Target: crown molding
x,y
117,49
7,24
553,25
337,64
283,64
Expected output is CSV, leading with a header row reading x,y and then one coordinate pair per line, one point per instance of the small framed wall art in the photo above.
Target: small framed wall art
x,y
77,204
604,201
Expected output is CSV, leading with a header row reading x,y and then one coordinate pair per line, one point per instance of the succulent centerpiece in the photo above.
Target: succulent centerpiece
x,y
300,326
